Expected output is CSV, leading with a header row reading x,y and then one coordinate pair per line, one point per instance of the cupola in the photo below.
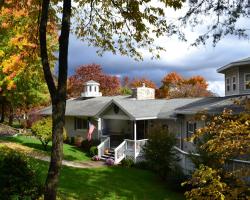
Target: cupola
x,y
91,89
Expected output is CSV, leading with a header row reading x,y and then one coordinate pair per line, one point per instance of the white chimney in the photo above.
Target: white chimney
x,y
143,93
91,89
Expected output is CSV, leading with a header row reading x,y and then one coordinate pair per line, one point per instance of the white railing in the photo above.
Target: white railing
x,y
233,165
120,152
105,144
130,147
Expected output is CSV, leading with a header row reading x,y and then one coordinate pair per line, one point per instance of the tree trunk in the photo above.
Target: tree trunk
x,y
11,116
57,94
3,111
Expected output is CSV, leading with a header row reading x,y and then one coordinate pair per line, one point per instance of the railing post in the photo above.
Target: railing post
x,y
135,141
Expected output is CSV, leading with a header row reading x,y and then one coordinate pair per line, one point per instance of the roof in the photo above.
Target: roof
x,y
149,109
80,107
245,61
91,82
212,105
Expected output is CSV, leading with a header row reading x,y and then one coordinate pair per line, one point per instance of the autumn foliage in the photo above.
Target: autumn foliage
x,y
176,86
109,85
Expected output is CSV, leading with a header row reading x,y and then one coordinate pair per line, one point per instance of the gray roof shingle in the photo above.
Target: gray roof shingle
x,y
212,105
245,61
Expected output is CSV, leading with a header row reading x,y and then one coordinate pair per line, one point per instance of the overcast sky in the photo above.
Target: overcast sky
x,y
179,57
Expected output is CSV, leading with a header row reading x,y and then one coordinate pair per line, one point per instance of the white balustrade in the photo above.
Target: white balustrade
x,y
105,144
120,152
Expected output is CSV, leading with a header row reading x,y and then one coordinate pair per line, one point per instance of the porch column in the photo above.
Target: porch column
x,y
135,136
99,127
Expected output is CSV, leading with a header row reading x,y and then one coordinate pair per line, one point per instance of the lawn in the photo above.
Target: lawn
x,y
110,183
70,152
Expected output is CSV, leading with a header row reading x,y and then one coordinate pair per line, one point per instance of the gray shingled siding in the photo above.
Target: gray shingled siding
x,y
230,74
242,71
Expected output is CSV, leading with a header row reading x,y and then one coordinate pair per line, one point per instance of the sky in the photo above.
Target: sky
x,y
179,57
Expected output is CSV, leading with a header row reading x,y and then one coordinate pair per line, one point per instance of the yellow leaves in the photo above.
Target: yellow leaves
x,y
2,53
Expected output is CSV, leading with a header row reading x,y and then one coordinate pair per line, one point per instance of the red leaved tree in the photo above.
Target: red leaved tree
x,y
109,85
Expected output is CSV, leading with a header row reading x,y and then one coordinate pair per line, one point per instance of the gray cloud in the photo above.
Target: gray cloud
x,y
203,60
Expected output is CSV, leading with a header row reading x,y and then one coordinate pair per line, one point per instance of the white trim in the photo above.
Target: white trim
x,y
234,83
146,118
228,84
135,135
245,81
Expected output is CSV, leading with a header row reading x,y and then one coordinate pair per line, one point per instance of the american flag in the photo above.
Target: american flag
x,y
90,131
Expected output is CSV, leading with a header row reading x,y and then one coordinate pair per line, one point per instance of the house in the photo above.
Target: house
x,y
124,122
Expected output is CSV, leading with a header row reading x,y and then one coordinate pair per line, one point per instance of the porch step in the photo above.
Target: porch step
x,y
110,154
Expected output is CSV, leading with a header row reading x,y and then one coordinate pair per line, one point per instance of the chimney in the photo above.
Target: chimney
x,y
143,93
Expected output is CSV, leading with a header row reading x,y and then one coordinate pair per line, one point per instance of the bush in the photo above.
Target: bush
x,y
127,162
86,145
159,152
110,161
18,179
42,130
93,151
95,158
141,165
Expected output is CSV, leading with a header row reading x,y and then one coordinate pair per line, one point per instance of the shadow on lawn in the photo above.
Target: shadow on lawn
x,y
69,150
113,183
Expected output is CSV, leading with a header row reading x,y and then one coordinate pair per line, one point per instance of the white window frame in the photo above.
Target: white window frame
x,y
82,122
245,81
194,126
234,83
228,84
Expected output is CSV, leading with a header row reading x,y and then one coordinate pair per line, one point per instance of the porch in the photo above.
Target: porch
x,y
123,142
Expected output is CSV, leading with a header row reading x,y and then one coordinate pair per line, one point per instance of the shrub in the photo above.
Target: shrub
x,y
18,179
93,151
127,162
110,161
95,158
141,165
86,145
42,130
159,152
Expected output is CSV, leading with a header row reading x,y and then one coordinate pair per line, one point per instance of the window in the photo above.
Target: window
x,y
247,81
90,88
191,127
81,123
228,80
234,83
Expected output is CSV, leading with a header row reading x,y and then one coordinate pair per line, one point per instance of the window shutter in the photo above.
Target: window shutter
x,y
75,122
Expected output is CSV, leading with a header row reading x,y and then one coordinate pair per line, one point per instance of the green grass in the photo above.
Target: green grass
x,y
70,152
110,183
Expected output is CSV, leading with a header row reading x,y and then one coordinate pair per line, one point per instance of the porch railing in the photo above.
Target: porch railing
x,y
130,147
120,152
105,144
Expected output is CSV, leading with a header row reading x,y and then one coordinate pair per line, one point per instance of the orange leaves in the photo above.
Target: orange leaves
x,y
138,82
175,86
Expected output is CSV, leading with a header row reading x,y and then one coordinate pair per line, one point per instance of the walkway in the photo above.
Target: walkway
x,y
42,156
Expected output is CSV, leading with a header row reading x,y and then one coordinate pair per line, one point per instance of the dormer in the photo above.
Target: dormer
x,y
237,77
91,89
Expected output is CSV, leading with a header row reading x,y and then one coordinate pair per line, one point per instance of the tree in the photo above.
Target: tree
x,y
221,17
175,86
42,129
138,82
22,84
109,85
159,152
230,131
118,26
